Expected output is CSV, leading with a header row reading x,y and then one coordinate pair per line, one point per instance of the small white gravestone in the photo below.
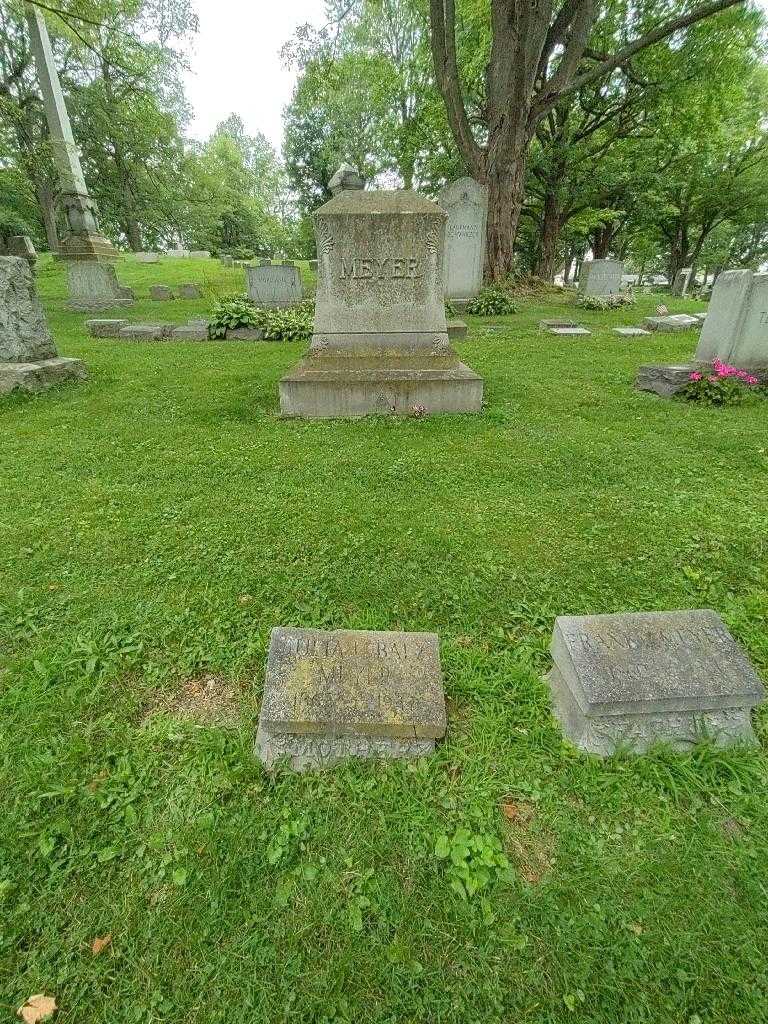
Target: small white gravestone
x,y
736,327
274,286
466,204
601,277
147,257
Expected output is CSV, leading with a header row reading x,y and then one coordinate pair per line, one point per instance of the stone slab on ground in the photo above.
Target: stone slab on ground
x,y
161,293
245,334
669,324
39,376
457,330
190,291
631,332
189,332
350,693
633,679
568,330
557,322
662,379
105,328
146,332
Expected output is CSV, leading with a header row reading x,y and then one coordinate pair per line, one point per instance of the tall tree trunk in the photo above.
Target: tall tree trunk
x,y
601,242
505,201
546,263
46,200
133,233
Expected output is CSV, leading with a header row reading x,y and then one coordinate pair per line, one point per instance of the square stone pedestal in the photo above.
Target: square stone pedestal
x,y
39,376
310,391
94,285
631,680
350,693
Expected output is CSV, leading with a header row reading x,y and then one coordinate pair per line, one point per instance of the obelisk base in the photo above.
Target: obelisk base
x,y
93,285
41,375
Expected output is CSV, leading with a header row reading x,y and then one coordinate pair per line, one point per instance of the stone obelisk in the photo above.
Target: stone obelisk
x,y
91,276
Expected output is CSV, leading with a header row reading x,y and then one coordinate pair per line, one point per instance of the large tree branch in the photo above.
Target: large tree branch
x,y
576,43
668,28
442,15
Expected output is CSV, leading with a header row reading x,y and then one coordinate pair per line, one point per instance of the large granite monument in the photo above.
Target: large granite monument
x,y
638,678
466,204
736,326
350,693
601,277
91,277
28,357
380,341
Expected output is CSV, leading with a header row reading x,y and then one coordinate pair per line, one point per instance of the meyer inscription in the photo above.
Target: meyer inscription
x,y
390,268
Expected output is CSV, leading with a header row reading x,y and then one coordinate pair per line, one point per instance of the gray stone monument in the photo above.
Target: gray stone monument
x,y
97,286
21,245
274,287
350,693
28,357
466,204
147,257
380,341
682,281
601,277
736,327
345,178
638,678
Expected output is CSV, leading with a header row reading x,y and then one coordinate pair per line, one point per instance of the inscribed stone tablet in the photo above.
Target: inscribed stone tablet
x,y
353,682
642,662
466,203
274,286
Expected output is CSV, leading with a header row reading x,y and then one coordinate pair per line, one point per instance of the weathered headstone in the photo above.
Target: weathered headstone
x,y
380,341
457,330
147,257
638,678
466,204
274,286
227,261
93,285
190,291
178,254
557,322
682,281
350,693
146,332
21,245
664,380
671,324
199,254
105,328
736,327
601,277
190,332
28,357
160,293
572,331
630,332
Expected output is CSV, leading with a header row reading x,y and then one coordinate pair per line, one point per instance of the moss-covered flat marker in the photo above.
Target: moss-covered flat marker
x,y
639,678
350,693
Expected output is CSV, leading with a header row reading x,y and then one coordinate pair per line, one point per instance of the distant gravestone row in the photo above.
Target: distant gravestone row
x,y
162,293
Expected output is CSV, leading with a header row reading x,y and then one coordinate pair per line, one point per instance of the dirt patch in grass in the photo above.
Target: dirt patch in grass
x,y
529,846
207,700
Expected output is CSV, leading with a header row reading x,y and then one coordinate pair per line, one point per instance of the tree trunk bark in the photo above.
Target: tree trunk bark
x,y
47,203
133,231
546,264
505,201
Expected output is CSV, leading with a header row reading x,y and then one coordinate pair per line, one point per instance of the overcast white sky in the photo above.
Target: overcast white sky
x,y
236,65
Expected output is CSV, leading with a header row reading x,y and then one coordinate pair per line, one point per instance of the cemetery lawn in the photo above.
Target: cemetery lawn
x,y
160,519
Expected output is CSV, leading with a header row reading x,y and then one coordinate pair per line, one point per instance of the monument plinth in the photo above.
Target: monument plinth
x,y
380,341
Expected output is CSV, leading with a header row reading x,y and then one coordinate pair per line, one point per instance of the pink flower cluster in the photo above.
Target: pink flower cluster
x,y
724,370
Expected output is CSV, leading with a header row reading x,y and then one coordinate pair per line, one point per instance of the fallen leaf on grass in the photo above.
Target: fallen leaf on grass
x,y
637,929
517,810
37,1008
100,943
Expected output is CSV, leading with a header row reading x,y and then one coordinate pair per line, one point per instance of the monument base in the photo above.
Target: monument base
x,y
606,733
305,750
664,380
32,377
93,286
315,393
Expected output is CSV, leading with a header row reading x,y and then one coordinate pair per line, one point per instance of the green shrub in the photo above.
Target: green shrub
x,y
294,323
451,313
493,300
602,303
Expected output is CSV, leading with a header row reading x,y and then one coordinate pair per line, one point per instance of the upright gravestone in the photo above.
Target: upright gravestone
x,y
735,329
380,341
350,693
682,281
601,277
466,204
638,678
274,286
28,357
21,245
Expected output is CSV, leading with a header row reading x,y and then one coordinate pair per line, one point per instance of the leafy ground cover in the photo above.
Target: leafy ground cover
x,y
160,519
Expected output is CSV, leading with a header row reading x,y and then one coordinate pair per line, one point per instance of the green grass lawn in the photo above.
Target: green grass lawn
x,y
160,519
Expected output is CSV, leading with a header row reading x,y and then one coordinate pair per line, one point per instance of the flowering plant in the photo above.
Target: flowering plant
x,y
722,385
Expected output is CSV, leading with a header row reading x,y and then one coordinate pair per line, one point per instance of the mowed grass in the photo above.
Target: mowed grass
x,y
160,519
